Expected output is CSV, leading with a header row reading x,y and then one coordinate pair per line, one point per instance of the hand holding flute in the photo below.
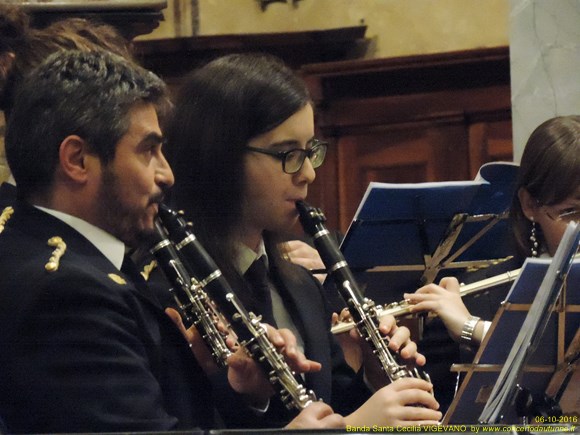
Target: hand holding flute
x,y
406,306
444,300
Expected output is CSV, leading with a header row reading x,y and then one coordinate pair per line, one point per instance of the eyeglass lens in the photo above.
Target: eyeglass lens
x,y
569,216
295,159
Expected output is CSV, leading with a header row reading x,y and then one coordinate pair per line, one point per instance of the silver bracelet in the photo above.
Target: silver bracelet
x,y
467,330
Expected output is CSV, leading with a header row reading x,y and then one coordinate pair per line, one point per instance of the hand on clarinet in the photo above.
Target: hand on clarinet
x,y
405,402
356,349
445,301
285,342
196,342
317,415
400,341
247,377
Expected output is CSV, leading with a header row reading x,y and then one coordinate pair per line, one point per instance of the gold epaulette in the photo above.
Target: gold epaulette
x,y
54,260
6,214
148,269
116,278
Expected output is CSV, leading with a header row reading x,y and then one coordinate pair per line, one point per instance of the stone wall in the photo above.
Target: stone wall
x,y
398,27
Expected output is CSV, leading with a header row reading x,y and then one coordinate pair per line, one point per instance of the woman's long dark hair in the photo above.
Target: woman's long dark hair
x,y
220,108
549,170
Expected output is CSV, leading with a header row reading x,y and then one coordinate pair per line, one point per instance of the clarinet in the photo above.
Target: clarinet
x,y
363,310
194,305
250,332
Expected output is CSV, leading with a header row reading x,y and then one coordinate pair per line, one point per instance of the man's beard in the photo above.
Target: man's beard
x,y
117,218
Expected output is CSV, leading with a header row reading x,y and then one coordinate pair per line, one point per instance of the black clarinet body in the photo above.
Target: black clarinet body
x,y
251,334
194,305
363,310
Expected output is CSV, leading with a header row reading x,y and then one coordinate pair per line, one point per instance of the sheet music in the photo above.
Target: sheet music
x,y
385,229
391,200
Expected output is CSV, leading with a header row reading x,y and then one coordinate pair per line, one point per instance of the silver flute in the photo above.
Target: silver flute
x,y
403,307
251,333
363,310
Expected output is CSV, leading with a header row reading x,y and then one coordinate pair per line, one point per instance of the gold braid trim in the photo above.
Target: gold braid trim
x,y
6,214
54,260
148,269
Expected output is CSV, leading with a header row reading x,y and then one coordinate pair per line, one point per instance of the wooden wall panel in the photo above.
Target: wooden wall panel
x,y
407,155
489,142
407,120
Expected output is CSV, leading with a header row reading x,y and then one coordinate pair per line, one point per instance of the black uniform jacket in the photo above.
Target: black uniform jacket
x,y
7,195
81,348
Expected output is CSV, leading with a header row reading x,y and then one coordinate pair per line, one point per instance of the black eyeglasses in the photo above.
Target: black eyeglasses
x,y
292,160
566,216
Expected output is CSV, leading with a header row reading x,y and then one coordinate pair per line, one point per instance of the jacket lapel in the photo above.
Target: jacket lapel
x,y
307,309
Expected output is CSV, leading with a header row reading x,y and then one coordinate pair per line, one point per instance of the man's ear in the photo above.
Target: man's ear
x,y
529,203
75,159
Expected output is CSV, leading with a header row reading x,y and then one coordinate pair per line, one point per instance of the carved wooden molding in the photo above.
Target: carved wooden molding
x,y
410,74
172,58
132,18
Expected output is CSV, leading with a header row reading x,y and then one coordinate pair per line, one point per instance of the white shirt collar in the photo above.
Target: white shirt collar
x,y
111,247
247,256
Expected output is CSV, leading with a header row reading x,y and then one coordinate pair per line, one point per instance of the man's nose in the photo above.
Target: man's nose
x,y
163,173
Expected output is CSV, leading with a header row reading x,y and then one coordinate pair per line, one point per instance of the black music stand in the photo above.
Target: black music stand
x,y
524,345
405,234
